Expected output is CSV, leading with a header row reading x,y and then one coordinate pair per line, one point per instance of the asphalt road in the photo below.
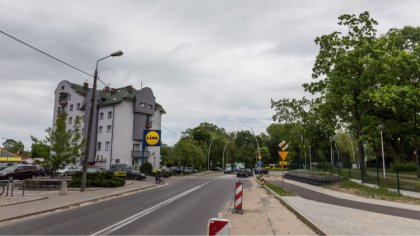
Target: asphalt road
x,y
319,197
180,208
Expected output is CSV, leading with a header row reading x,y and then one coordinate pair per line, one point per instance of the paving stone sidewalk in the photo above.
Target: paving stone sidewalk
x,y
264,215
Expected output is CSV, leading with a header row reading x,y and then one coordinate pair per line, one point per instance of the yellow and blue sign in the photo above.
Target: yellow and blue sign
x,y
151,137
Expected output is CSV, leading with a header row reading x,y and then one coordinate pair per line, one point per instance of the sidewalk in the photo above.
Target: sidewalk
x,y
403,192
338,220
263,215
52,201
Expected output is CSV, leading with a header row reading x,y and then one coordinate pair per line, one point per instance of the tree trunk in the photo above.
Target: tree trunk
x,y
360,148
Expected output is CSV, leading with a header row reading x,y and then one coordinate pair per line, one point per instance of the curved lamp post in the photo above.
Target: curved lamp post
x,y
258,146
223,156
91,115
208,154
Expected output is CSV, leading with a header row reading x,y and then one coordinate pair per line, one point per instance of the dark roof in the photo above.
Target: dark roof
x,y
80,89
110,98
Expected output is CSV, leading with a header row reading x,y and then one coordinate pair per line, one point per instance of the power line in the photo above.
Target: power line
x,y
167,128
48,55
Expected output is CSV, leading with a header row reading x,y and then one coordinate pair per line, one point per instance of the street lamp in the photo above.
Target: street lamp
x,y
331,150
208,154
223,156
92,110
381,127
258,146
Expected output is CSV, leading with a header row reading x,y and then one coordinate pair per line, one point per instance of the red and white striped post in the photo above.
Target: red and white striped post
x,y
238,198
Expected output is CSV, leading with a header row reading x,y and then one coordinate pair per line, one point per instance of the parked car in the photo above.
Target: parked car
x,y
259,170
135,174
125,171
69,170
19,172
228,170
93,169
187,170
250,172
175,170
242,173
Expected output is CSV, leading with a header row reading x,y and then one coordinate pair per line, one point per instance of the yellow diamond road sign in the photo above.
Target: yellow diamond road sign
x,y
283,155
259,157
284,145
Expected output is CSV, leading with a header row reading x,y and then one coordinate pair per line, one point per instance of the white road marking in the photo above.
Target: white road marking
x,y
137,216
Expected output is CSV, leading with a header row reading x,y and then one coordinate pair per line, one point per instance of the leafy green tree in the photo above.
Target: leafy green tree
x,y
65,145
39,149
13,146
342,71
189,154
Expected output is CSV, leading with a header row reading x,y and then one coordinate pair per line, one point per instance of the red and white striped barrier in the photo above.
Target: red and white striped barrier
x,y
218,226
238,197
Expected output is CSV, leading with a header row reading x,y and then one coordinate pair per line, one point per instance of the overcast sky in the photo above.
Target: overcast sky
x,y
218,61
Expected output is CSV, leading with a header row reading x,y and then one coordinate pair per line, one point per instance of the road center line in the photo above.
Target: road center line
x,y
137,216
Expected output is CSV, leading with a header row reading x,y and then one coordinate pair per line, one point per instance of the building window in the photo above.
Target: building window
x,y
78,106
150,107
59,109
101,115
100,129
71,107
109,114
142,104
136,147
108,128
98,148
70,120
62,87
107,146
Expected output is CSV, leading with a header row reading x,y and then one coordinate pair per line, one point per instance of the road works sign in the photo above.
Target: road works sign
x,y
283,155
151,137
283,145
218,226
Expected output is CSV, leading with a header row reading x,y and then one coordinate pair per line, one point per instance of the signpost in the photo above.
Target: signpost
x,y
283,153
150,138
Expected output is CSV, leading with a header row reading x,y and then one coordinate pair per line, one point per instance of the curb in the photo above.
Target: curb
x,y
298,214
33,200
73,204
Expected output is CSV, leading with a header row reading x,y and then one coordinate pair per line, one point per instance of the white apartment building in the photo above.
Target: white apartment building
x,y
120,118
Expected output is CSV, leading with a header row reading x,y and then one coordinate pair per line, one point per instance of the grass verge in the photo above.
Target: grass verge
x,y
348,186
277,189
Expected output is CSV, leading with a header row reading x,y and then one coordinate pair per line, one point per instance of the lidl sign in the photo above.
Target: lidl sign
x,y
151,137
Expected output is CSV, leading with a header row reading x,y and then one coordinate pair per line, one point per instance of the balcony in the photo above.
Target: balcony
x,y
63,98
137,154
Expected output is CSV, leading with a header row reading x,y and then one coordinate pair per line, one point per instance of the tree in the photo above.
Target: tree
x,y
189,153
341,69
39,149
64,145
13,146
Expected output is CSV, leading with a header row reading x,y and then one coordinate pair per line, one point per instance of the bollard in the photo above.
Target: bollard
x,y
63,188
262,180
237,207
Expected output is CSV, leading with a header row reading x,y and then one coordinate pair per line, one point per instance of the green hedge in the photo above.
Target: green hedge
x,y
103,179
407,166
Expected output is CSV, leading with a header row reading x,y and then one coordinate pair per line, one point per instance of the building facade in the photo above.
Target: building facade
x,y
121,116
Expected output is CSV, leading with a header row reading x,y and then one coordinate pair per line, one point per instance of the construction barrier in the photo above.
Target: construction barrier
x,y
238,197
262,180
218,226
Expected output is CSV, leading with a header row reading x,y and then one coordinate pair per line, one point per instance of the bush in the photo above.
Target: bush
x,y
407,166
102,179
146,168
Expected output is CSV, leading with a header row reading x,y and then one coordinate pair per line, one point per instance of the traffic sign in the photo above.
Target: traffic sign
x,y
259,163
283,155
283,163
284,145
259,157
217,226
